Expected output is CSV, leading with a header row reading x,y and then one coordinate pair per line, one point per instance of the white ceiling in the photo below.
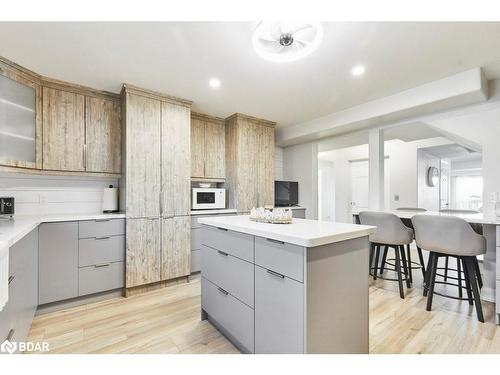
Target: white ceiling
x,y
180,58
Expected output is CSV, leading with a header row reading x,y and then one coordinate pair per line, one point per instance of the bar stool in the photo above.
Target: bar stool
x,y
450,236
390,233
414,209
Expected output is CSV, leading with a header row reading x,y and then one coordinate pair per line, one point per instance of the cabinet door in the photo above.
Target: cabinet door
x,y
175,159
265,156
175,247
58,262
143,252
215,150
103,135
143,156
63,130
279,313
197,148
248,166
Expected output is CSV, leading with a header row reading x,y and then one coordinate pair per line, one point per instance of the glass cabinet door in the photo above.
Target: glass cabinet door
x,y
17,123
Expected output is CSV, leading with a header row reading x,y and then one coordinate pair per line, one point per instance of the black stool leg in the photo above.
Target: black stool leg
x,y
398,270
427,275
469,263
478,273
467,283
422,263
377,255
408,254
446,258
405,266
384,257
372,252
431,269
459,273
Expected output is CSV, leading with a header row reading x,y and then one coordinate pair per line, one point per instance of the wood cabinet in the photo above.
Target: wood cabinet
x,y
208,154
175,247
63,116
250,162
142,252
143,173
175,159
103,135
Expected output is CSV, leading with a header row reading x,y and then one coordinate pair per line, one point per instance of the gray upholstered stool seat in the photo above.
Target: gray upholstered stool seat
x,y
447,236
390,233
414,209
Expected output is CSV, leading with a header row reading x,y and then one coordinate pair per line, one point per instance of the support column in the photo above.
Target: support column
x,y
376,169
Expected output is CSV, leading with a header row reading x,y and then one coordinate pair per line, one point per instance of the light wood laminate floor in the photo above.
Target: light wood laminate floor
x,y
168,321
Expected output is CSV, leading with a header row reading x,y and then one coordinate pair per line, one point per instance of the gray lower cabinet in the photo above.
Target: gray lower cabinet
x,y
17,315
58,262
299,213
279,313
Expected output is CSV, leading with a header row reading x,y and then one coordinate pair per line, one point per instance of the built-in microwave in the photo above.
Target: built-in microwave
x,y
208,198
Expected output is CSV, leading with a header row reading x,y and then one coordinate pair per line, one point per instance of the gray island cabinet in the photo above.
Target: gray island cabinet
x,y
296,288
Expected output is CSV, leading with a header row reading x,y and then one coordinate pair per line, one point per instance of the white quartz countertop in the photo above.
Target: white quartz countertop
x,y
302,232
12,230
214,212
478,218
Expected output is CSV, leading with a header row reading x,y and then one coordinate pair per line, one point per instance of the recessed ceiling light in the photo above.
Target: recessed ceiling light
x,y
358,70
286,41
214,83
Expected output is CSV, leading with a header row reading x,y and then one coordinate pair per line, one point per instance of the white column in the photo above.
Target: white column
x,y
376,169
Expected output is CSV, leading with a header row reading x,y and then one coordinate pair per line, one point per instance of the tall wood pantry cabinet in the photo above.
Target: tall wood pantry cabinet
x,y
249,162
156,182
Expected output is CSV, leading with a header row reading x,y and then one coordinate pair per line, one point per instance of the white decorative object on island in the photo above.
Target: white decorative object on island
x,y
297,288
274,216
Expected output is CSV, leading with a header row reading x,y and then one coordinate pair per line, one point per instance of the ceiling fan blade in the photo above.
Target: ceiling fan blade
x,y
300,28
303,43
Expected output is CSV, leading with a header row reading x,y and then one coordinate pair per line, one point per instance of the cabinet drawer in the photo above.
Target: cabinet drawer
x,y
237,244
498,297
284,258
196,224
196,261
101,227
98,250
231,274
234,316
95,279
196,239
279,314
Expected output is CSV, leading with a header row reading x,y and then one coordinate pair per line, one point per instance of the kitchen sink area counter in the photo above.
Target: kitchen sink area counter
x,y
286,288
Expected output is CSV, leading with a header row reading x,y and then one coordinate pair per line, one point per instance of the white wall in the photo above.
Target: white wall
x,y
428,196
54,195
300,163
326,192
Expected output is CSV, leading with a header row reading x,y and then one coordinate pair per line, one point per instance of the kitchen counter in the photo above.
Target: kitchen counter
x,y
214,212
12,230
302,232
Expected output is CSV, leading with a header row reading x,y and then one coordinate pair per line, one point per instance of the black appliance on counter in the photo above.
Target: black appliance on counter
x,y
286,193
6,206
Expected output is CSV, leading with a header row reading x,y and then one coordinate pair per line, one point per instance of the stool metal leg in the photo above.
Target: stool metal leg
x,y
408,254
433,260
427,275
422,263
459,276
405,265
398,270
372,252
467,282
375,266
446,259
384,257
469,263
478,273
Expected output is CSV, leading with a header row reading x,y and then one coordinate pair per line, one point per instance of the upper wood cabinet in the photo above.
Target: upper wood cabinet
x,y
250,162
208,155
63,130
103,135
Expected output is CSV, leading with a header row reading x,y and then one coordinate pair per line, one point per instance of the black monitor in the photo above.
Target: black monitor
x,y
286,193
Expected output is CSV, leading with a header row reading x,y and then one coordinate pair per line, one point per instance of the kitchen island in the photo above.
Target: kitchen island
x,y
286,288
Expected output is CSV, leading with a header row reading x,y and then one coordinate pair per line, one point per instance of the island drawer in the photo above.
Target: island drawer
x,y
196,239
237,244
98,250
195,260
280,257
100,278
236,318
101,227
230,273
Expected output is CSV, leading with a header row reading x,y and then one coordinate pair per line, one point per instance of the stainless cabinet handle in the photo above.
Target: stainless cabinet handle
x,y
223,291
224,229
276,274
222,253
11,279
10,335
102,238
275,241
102,265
